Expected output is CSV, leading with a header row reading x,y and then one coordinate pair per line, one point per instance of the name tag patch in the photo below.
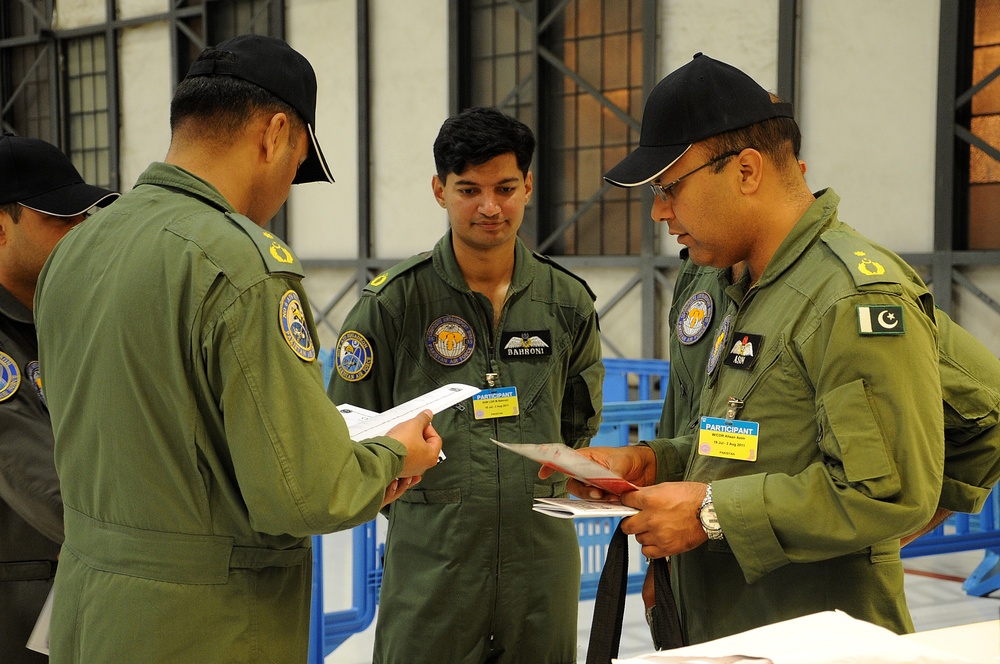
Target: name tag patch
x,y
880,319
532,343
745,351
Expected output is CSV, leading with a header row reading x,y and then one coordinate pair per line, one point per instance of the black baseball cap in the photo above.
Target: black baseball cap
x,y
39,176
270,63
704,98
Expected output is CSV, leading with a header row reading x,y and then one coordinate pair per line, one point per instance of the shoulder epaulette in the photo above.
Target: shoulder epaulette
x,y
379,282
276,254
866,264
548,261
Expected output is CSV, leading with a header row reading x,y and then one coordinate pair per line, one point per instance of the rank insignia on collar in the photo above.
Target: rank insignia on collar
x,y
534,343
354,356
746,350
450,340
694,319
34,373
10,376
880,319
294,326
720,343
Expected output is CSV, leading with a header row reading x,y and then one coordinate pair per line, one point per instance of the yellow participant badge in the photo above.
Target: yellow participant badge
x,y
294,327
495,402
728,439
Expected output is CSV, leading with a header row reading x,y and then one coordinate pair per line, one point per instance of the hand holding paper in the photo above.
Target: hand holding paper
x,y
571,462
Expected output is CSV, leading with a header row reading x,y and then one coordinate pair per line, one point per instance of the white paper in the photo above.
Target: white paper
x,y
828,637
364,424
39,639
570,462
571,508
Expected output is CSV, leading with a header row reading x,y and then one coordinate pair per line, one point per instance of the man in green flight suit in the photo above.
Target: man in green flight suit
x,y
472,574
195,446
821,443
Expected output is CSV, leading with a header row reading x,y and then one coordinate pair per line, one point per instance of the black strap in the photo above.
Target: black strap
x,y
609,605
666,626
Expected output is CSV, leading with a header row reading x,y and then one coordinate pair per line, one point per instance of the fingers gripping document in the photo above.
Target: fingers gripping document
x,y
363,423
570,462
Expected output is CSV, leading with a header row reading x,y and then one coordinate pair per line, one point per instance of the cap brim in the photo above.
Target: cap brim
x,y
644,164
314,168
69,201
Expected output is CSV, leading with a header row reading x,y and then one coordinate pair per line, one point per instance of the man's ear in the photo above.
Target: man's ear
x,y
751,164
438,188
528,187
276,130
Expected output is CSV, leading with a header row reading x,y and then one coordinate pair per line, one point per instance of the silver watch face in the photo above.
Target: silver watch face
x,y
710,522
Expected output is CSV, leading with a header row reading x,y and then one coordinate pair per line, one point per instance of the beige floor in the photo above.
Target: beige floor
x,y
935,601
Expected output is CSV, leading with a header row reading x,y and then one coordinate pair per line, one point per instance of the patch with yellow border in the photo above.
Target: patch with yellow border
x,y
294,327
355,357
10,376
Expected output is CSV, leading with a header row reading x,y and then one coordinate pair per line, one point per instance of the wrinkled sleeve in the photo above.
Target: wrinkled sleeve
x,y
297,468
583,398
970,386
28,481
878,412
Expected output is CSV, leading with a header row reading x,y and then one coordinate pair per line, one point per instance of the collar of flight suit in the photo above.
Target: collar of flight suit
x,y
446,265
175,177
13,309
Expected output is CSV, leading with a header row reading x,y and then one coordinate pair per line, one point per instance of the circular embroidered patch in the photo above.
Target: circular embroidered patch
x,y
10,376
694,319
34,373
354,356
720,344
294,327
450,340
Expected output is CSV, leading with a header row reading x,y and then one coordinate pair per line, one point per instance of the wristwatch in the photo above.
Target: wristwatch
x,y
709,520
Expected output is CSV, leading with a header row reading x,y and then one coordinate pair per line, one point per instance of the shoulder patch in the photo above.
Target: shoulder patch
x,y
10,376
866,264
354,356
276,254
295,327
548,261
379,282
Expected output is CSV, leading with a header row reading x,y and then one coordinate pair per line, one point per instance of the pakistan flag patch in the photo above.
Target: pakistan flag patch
x,y
880,319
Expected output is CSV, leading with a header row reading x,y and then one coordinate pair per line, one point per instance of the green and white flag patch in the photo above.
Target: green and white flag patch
x,y
880,319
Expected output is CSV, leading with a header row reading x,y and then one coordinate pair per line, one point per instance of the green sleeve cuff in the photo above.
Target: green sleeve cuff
x,y
958,496
739,504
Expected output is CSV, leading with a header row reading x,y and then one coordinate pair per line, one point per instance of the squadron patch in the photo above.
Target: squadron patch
x,y
694,319
533,343
294,327
10,376
354,356
35,376
450,340
745,351
720,344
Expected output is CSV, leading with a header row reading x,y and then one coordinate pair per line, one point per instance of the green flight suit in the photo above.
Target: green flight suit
x,y
195,446
850,450
471,572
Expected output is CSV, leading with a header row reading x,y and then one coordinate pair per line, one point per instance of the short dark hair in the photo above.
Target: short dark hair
x,y
12,209
224,103
477,135
777,138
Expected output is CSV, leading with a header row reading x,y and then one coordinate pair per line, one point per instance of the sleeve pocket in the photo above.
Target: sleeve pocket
x,y
854,435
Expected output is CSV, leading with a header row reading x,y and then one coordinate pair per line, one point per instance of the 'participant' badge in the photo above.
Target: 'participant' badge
x,y
294,326
450,340
695,317
354,356
10,376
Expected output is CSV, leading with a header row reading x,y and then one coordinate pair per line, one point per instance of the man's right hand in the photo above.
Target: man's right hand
x,y
422,443
635,463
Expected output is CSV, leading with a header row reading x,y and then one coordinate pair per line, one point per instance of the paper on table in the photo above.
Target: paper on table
x,y
567,460
363,423
570,508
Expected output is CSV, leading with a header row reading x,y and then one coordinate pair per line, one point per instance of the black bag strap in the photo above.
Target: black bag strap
x,y
666,625
609,605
